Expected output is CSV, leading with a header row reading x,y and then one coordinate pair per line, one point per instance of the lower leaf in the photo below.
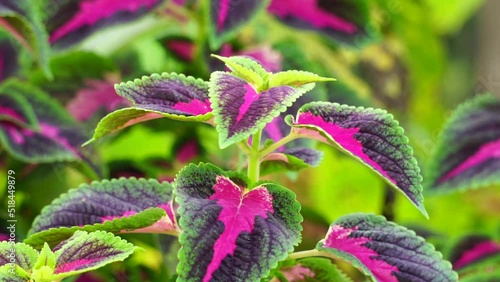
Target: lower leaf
x,y
231,233
384,251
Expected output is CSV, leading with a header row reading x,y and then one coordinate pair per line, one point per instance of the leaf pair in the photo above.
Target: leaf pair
x,y
80,253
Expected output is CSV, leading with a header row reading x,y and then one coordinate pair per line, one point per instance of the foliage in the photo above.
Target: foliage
x,y
195,125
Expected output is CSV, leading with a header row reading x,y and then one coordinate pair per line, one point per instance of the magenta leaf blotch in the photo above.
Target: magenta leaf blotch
x,y
231,233
118,206
72,21
384,250
473,249
468,152
371,136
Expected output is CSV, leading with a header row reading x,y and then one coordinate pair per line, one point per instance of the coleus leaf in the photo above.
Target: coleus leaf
x,y
19,254
383,250
74,20
313,270
57,138
226,17
87,251
21,18
118,206
80,253
371,136
245,68
240,110
231,233
468,152
473,249
343,20
174,96
14,111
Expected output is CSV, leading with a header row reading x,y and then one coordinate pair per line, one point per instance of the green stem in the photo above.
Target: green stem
x,y
254,158
275,146
306,254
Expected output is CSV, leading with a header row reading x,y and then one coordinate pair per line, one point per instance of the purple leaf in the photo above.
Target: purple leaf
x,y
24,256
342,20
15,112
119,205
97,95
384,250
226,17
473,249
229,232
371,136
87,251
169,94
21,20
74,20
241,111
57,138
173,96
468,152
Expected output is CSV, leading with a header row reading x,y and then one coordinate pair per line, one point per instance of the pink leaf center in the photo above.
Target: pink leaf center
x,y
487,151
479,251
338,238
250,96
238,215
194,107
343,136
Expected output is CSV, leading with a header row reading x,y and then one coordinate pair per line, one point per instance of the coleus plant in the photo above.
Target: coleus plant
x,y
233,226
